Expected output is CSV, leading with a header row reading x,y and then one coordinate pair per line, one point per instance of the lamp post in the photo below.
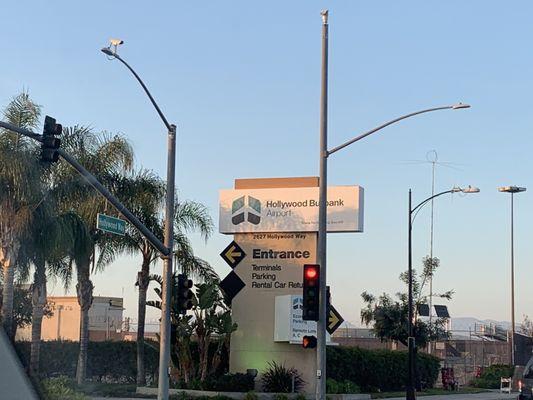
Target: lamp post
x,y
512,190
164,345
410,391
324,153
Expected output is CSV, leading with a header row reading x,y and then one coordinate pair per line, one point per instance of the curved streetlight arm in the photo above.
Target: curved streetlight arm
x,y
422,203
109,52
356,139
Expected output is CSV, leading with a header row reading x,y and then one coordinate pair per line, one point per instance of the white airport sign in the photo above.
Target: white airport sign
x,y
289,210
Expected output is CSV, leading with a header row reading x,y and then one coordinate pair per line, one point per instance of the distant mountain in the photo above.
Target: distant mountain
x,y
349,325
468,323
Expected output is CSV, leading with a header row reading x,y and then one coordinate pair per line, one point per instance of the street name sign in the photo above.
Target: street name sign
x,y
109,224
233,254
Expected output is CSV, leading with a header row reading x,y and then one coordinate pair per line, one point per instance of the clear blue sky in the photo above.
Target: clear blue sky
x,y
241,80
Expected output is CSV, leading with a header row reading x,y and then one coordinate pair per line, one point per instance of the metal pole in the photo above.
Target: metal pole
x,y
164,346
512,280
164,353
431,252
410,391
322,217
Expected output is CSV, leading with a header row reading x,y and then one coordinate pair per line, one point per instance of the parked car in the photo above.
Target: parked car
x,y
525,384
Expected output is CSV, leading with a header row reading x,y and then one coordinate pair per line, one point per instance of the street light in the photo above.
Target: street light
x,y
512,190
410,391
164,346
322,214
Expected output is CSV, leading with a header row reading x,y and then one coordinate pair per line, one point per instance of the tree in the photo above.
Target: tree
x,y
19,195
47,246
22,306
390,317
210,315
527,326
106,157
144,193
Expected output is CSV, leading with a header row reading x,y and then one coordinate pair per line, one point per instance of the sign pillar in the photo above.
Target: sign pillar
x,y
274,224
266,276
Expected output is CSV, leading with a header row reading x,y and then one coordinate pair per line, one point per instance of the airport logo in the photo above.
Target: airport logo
x,y
246,208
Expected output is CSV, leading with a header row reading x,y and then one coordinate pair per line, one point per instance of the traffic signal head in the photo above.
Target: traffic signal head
x,y
309,342
184,295
50,143
311,292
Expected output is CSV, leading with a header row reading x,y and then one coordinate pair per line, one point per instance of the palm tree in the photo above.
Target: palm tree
x,y
19,195
143,194
106,157
47,246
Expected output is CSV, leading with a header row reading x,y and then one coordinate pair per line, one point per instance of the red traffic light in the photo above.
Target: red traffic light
x,y
309,342
311,273
311,292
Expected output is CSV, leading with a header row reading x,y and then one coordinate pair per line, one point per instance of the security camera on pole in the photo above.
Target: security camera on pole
x,y
164,351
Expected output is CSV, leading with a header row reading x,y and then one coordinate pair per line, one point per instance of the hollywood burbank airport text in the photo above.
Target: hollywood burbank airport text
x,y
285,205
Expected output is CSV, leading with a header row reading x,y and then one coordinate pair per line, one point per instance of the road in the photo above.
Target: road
x,y
477,396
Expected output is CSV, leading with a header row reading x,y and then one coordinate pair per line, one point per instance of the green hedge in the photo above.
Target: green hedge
x,y
112,361
490,377
374,370
222,383
106,361
371,370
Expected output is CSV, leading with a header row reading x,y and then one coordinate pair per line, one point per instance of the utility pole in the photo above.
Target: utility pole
x,y
322,217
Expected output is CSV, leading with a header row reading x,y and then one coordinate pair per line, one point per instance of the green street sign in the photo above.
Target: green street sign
x,y
111,224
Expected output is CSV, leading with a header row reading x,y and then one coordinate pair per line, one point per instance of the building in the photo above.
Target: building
x,y
105,320
364,338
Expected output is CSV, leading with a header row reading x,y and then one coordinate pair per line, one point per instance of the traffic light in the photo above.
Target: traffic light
x,y
309,342
311,293
184,295
50,143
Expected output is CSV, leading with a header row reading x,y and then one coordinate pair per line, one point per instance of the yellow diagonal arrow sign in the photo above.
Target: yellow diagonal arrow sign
x,y
231,254
334,320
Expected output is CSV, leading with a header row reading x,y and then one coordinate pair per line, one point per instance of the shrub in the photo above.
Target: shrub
x,y
383,370
490,377
345,387
111,362
281,397
223,383
280,379
230,383
59,389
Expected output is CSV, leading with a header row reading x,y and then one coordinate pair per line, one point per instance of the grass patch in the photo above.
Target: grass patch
x,y
109,389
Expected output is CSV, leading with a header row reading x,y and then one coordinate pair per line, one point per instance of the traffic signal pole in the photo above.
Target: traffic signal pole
x,y
98,186
322,218
164,345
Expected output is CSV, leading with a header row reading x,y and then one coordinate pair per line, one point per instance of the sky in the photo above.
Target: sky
x,y
241,80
